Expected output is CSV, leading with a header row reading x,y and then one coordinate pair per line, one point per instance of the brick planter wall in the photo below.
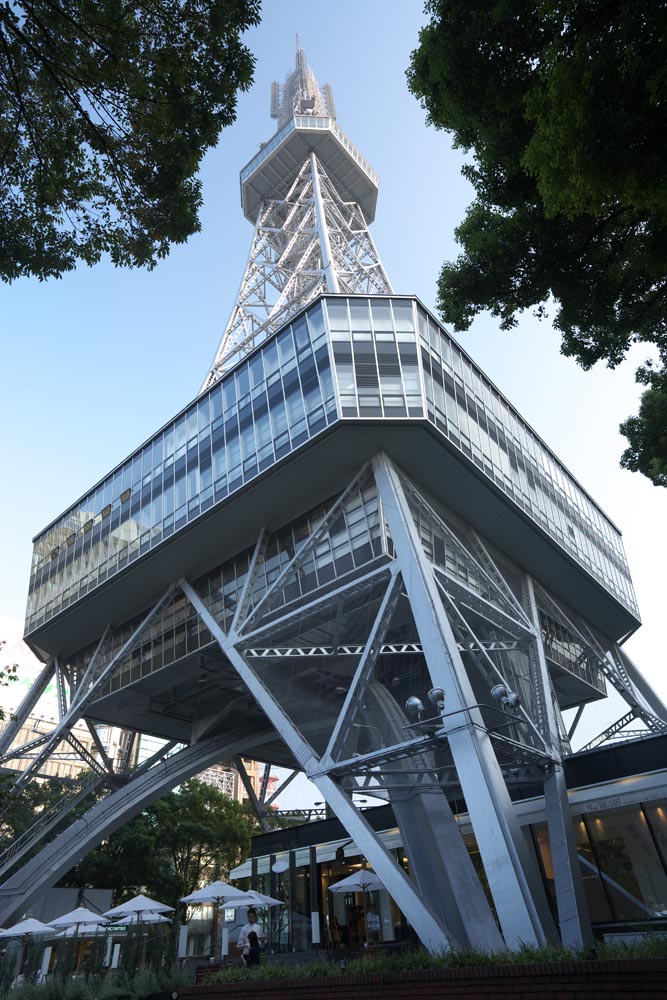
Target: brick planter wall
x,y
629,979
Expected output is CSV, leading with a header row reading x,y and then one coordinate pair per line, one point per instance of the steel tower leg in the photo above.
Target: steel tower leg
x,y
111,812
511,870
573,919
13,727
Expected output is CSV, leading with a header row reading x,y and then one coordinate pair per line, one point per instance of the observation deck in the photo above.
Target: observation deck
x,y
348,377
271,172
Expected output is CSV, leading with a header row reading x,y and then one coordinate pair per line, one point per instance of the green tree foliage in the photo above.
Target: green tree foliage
x,y
188,837
562,103
8,673
20,811
106,110
647,436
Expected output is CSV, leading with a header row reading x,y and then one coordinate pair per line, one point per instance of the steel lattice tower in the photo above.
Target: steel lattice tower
x,y
349,556
311,196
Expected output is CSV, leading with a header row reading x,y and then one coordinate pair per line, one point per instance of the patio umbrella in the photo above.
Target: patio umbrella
x,y
25,930
252,898
81,915
362,881
29,926
138,905
216,892
146,918
84,930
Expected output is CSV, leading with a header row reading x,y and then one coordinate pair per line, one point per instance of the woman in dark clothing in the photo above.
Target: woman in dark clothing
x,y
252,958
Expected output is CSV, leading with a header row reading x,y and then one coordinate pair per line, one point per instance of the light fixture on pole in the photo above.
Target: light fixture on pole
x,y
507,698
414,706
437,697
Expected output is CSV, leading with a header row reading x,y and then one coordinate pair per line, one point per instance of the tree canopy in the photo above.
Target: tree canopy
x,y
8,673
562,104
106,110
189,837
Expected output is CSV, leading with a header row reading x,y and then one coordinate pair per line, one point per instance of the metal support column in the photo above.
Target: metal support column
x,y
512,873
330,274
37,689
573,918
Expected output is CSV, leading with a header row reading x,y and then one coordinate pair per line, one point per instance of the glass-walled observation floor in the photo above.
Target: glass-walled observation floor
x,y
375,360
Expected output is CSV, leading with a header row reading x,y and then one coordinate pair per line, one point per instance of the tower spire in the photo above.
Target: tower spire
x,y
300,94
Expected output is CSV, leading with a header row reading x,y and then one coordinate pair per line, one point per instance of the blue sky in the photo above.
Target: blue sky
x,y
94,363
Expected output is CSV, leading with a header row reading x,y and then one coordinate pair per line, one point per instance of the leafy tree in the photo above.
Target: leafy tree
x,y
203,834
8,673
20,811
562,104
188,837
106,110
647,435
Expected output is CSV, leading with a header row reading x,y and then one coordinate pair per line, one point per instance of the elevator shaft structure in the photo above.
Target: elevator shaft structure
x,y
349,556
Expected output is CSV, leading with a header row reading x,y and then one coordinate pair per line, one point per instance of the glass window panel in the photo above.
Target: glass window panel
x,y
381,313
403,319
359,314
337,310
625,853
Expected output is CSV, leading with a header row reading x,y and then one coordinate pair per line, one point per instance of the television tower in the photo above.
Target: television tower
x,y
349,556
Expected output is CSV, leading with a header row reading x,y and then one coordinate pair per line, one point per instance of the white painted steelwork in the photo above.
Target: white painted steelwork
x,y
311,220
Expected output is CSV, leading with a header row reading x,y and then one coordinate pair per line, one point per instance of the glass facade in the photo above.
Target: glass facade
x,y
269,405
344,358
177,631
393,362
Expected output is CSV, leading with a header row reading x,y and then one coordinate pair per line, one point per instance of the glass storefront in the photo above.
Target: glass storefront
x,y
622,858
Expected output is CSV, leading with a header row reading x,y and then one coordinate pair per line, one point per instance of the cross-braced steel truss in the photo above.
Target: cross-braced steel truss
x,y
309,242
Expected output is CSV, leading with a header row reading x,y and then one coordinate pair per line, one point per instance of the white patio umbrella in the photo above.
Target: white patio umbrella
x,y
252,898
362,881
29,926
146,918
216,892
84,930
81,915
220,894
24,930
138,905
